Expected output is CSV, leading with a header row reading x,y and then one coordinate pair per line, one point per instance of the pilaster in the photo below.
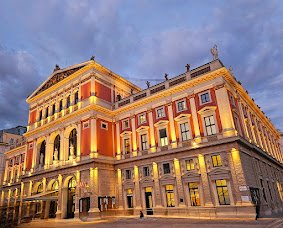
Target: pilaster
x,y
195,118
151,132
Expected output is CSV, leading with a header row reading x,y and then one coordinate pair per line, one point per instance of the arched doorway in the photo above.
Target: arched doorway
x,y
42,153
73,144
56,149
71,198
38,205
53,203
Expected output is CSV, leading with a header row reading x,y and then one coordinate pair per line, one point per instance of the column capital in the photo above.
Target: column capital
x,y
191,96
219,86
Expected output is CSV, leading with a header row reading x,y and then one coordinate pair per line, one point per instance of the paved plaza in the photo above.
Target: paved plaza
x,y
152,222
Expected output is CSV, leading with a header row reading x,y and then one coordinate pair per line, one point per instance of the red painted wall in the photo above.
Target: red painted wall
x,y
32,117
104,139
85,90
85,139
102,91
29,157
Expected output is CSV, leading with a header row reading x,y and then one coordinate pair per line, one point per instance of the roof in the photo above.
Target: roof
x,y
57,76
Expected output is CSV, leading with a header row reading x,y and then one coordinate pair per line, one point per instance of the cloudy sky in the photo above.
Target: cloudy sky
x,y
139,39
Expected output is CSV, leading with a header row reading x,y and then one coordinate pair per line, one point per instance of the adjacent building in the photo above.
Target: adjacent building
x,y
195,145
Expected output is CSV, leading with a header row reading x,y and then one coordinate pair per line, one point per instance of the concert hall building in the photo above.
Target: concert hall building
x,y
195,145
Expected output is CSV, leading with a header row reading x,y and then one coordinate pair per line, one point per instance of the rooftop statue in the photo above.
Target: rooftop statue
x,y
214,52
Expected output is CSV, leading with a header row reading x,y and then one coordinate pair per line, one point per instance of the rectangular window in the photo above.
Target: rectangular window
x,y
190,164
185,131
194,194
142,118
216,160
181,106
128,174
46,112
166,168
76,100
163,137
60,105
130,198
127,146
222,192
146,171
144,142
205,98
125,124
53,109
160,112
169,190
40,115
104,126
68,101
210,125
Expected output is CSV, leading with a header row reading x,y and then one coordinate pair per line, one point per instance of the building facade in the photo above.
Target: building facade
x,y
195,145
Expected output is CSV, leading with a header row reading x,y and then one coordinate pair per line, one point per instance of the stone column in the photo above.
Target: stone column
x,y
34,155
151,131
95,192
6,171
134,136
238,177
79,133
205,182
93,137
118,140
156,185
195,118
137,189
60,197
119,189
179,183
242,119
225,112
172,126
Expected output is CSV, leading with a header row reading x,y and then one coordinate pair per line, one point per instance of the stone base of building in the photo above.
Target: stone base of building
x,y
246,212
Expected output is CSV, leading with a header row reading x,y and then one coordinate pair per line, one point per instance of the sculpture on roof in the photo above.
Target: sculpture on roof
x,y
188,67
92,57
166,77
148,84
57,67
214,52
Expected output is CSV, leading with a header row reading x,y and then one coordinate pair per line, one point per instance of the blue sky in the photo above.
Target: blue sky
x,y
140,39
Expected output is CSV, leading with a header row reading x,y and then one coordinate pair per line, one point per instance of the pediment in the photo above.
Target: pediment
x,y
142,128
182,117
207,109
125,133
57,76
161,122
219,173
191,177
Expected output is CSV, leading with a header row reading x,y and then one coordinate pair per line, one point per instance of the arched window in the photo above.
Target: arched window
x,y
55,186
42,153
76,99
39,188
72,183
56,150
68,101
73,143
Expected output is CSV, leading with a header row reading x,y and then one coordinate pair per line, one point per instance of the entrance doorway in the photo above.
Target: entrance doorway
x,y
53,204
71,198
148,201
255,199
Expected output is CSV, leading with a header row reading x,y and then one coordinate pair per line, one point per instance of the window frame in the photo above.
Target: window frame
x,y
128,174
194,200
170,192
162,140
204,93
210,126
184,107
221,190
144,143
128,146
217,162
123,124
163,168
191,164
145,168
139,120
187,132
163,112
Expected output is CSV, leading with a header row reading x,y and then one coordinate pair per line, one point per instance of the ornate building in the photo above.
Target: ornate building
x,y
195,145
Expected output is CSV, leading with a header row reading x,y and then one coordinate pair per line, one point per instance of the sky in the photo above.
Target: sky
x,y
139,40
